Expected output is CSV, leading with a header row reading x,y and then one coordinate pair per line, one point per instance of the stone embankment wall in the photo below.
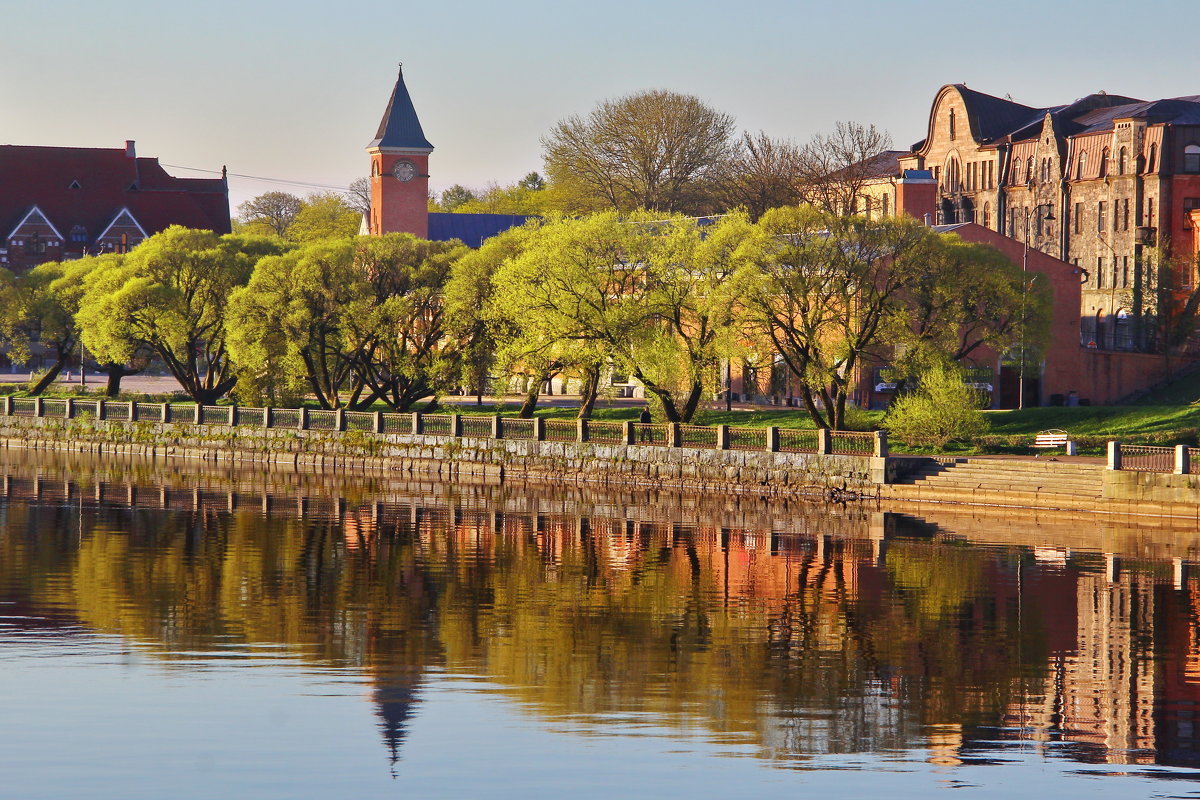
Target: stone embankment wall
x,y
459,457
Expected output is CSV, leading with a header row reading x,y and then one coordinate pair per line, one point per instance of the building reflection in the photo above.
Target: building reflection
x,y
801,634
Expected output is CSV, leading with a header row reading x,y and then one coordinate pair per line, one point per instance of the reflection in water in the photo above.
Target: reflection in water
x,y
798,632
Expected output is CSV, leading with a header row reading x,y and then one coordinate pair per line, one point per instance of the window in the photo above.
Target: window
x,y
1101,207
1152,160
1104,163
1037,212
1016,171
987,215
1114,272
1125,215
1191,158
952,127
1150,212
78,234
1029,171
1045,170
1078,218
1123,162
1124,271
1100,273
36,245
1081,164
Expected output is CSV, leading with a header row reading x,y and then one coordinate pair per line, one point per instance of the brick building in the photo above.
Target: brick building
x,y
59,203
1095,183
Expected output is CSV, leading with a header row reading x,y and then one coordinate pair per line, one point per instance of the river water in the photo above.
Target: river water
x,y
177,631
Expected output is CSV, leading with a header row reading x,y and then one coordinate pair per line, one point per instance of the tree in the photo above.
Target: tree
x,y
533,182
835,167
269,214
456,196
324,215
821,289
942,409
657,150
764,173
170,294
358,196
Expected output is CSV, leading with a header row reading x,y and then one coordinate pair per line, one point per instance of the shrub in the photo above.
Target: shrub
x,y
942,409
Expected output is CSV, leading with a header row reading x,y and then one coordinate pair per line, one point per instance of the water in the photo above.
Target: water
x,y
181,631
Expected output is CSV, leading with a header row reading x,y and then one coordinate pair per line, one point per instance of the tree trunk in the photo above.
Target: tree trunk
x,y
49,375
532,393
591,388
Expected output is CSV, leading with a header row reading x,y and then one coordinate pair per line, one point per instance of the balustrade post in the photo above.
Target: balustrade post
x,y
164,413
881,444
722,437
456,425
198,414
133,411
303,418
233,415
339,419
1114,455
772,439
581,431
674,438
627,432
101,409
37,406
497,427
539,429
268,417
416,423
69,411
377,422
8,406
824,442
1182,467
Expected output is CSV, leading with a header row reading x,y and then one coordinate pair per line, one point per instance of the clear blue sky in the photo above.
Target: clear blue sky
x,y
295,89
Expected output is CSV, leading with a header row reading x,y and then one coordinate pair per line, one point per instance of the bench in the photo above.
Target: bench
x,y
1054,438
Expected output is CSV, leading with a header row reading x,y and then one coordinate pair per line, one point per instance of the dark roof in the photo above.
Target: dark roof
x,y
108,180
400,126
993,117
1175,110
471,229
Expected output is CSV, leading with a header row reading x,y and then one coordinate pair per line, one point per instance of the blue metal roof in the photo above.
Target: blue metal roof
x,y
400,127
471,229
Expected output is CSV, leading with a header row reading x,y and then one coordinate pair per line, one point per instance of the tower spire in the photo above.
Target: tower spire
x,y
400,128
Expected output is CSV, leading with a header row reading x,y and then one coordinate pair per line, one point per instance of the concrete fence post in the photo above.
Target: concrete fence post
x,y
133,411
881,444
627,432
7,406
539,429
416,423
339,419
497,427
581,431
674,437
164,413
101,409
303,418
456,425
233,416
824,442
722,437
377,422
772,439
69,412
1114,455
1182,467
37,407
268,417
198,414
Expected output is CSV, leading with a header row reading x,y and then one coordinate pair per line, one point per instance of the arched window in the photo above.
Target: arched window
x,y
987,215
1152,159
1029,171
953,175
952,127
1016,171
1104,163
1191,158
1081,165
1123,162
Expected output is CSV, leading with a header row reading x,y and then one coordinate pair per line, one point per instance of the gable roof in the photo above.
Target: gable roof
x,y
400,127
40,176
34,217
993,117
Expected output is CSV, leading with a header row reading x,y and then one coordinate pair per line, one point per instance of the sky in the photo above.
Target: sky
x,y
293,91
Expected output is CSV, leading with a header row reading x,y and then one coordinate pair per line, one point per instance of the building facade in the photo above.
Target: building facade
x,y
59,203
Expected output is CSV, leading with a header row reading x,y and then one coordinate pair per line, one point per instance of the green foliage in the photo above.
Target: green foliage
x,y
324,216
942,409
455,197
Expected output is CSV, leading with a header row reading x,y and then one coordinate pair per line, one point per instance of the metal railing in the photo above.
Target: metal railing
x,y
700,437
1180,459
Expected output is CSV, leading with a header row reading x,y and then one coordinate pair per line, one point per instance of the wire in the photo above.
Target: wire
x,y
261,178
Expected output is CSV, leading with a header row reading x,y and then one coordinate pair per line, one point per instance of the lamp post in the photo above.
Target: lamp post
x,y
1036,211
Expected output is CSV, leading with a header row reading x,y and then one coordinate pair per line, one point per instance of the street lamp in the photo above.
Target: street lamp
x,y
1037,212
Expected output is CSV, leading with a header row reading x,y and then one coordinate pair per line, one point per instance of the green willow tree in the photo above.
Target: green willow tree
x,y
170,294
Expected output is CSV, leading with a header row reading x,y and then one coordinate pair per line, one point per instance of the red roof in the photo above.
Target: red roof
x,y
107,180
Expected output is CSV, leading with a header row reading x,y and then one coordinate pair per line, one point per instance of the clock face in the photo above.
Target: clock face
x,y
404,170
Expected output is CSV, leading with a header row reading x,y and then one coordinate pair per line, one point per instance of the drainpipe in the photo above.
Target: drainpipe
x,y
1001,195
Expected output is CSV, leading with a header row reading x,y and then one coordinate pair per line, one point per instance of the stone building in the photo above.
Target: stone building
x,y
1104,183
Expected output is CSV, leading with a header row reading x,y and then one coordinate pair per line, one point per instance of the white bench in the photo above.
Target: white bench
x,y
1054,438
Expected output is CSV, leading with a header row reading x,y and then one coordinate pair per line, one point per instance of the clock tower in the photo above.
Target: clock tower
x,y
400,169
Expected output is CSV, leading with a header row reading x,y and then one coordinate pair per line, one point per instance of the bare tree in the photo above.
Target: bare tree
x,y
835,167
657,150
358,196
763,174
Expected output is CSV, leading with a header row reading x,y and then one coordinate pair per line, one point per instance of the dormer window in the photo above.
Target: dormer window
x,y
1191,158
1082,165
75,185
1123,162
1104,163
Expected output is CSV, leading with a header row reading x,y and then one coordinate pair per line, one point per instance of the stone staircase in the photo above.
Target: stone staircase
x,y
999,481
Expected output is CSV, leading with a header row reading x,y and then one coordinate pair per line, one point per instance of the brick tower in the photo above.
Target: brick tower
x,y
400,169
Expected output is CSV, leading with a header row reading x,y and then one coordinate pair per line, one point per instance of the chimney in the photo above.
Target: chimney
x,y
130,152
